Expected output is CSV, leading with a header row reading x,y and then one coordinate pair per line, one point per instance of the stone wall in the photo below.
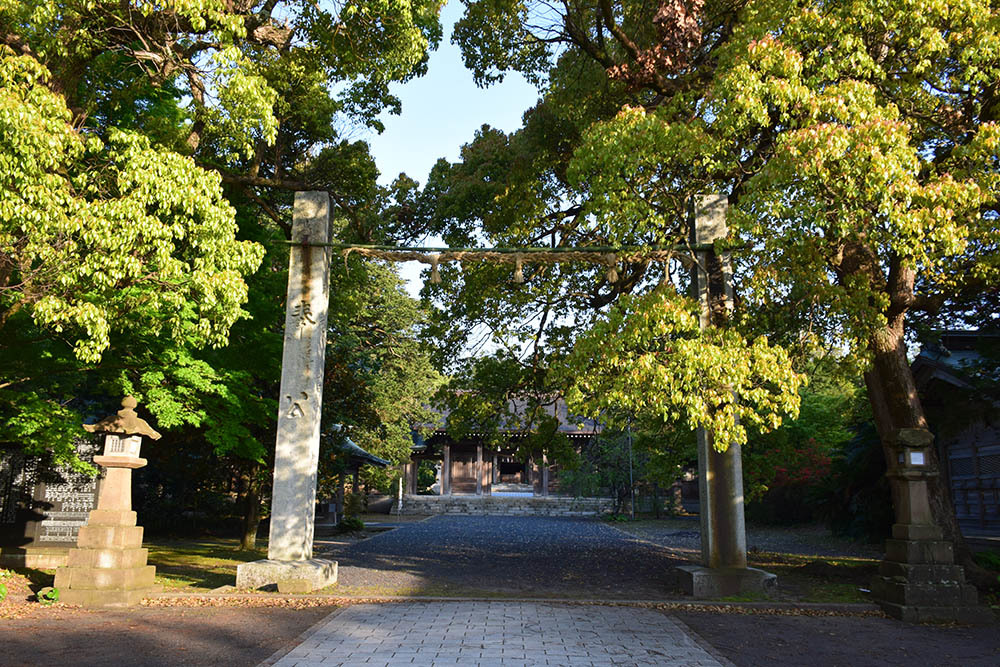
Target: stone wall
x,y
505,506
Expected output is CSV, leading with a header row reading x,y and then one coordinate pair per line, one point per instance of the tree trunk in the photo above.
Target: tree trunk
x,y
892,393
251,509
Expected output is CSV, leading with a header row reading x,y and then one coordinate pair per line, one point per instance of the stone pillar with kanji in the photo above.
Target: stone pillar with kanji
x,y
723,570
108,567
290,563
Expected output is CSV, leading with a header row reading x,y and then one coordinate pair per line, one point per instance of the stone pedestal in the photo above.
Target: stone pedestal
x,y
919,582
108,568
712,582
298,576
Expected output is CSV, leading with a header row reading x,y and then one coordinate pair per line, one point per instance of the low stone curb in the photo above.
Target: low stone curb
x,y
832,608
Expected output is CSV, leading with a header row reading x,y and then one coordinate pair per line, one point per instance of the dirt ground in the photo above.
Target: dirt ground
x,y
244,636
155,637
759,640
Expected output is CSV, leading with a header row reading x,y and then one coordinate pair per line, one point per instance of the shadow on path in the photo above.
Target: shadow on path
x,y
517,556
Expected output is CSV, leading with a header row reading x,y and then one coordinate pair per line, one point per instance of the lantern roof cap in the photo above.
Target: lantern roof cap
x,y
125,422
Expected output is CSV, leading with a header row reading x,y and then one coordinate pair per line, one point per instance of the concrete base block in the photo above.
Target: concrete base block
x,y
93,597
968,614
293,586
706,582
37,558
315,573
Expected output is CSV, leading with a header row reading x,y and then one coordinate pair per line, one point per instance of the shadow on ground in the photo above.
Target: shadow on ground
x,y
505,556
155,637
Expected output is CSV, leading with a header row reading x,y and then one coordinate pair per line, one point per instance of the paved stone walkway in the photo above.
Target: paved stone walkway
x,y
497,633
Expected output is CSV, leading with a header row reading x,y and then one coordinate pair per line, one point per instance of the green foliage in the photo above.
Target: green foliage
x,y
854,499
121,237
354,504
649,357
126,264
378,380
988,559
859,147
426,476
48,596
350,524
99,241
798,452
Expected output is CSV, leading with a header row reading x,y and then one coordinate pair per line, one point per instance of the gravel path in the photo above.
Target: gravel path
x,y
683,535
510,556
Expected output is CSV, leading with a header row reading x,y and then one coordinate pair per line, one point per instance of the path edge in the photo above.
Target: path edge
x,y
302,638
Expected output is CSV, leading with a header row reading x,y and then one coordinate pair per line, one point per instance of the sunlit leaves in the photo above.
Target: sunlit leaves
x,y
244,114
110,238
649,358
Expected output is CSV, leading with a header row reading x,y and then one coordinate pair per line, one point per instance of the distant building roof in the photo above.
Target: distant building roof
x,y
947,359
357,455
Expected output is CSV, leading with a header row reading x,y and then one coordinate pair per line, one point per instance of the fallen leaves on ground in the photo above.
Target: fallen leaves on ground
x,y
239,601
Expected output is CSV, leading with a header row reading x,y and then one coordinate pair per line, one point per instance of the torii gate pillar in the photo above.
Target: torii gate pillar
x,y
723,570
293,498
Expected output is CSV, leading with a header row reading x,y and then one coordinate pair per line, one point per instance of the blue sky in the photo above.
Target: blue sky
x,y
443,109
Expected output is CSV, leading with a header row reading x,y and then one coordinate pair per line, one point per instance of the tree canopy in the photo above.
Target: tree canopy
x,y
149,150
857,143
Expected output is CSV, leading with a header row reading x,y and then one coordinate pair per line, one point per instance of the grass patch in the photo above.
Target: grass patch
x,y
745,597
835,592
819,579
198,565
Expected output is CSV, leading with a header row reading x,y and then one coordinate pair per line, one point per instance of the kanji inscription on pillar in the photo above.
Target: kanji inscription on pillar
x,y
297,449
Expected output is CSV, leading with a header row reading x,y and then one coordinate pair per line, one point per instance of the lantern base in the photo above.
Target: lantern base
x,y
918,581
108,567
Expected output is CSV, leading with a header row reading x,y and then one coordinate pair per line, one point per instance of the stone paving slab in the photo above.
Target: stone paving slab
x,y
498,633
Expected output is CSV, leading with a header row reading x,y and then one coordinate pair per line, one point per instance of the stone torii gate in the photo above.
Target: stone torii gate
x,y
290,562
917,580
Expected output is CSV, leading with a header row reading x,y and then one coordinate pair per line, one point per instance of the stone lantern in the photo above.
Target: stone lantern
x,y
918,580
108,567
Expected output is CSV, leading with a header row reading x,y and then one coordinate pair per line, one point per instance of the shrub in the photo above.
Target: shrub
x,y
988,559
353,503
855,498
796,472
350,524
